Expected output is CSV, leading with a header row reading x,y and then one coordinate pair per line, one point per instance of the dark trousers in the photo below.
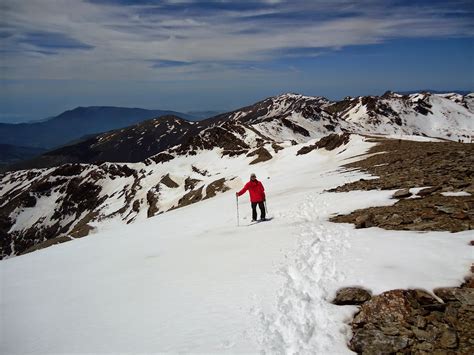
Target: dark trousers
x,y
254,210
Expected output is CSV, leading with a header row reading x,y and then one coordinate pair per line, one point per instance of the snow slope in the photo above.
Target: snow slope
x,y
190,280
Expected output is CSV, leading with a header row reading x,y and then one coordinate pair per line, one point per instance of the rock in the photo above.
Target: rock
x,y
420,322
423,297
428,191
190,183
364,221
162,158
351,296
423,334
276,147
390,330
463,295
446,209
448,339
136,206
329,142
403,193
388,307
152,199
262,155
425,346
460,215
168,182
374,341
191,197
216,186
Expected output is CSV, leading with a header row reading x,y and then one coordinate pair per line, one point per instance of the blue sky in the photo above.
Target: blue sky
x,y
219,55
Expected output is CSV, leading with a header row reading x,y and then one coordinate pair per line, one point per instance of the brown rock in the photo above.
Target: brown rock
x,y
190,183
262,155
388,307
216,186
423,334
446,209
448,339
428,191
374,341
167,181
460,215
152,199
351,296
423,297
136,206
420,322
329,142
425,346
403,193
463,295
364,221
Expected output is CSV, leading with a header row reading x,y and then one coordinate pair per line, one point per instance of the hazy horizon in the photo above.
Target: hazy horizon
x,y
33,119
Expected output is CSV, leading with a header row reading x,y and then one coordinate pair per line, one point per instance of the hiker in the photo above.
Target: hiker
x,y
257,196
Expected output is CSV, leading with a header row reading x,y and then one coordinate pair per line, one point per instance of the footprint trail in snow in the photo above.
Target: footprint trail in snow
x,y
305,322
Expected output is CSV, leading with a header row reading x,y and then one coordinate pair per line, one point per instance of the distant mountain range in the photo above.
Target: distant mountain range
x,y
285,117
74,124
460,92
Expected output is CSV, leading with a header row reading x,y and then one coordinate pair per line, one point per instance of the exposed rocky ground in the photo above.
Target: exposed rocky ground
x,y
414,321
437,167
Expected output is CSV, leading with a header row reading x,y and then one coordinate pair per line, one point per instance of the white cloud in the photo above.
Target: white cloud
x,y
126,40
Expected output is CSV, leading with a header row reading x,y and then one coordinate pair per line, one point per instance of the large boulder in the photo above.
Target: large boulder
x,y
351,296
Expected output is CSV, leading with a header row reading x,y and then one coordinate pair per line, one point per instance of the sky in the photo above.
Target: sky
x,y
220,55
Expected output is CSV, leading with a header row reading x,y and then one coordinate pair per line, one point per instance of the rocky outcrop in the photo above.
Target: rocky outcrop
x,y
152,198
437,213
444,167
192,196
216,186
295,128
414,321
262,155
329,142
168,182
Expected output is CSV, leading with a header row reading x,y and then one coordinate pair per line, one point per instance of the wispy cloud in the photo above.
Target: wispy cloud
x,y
179,39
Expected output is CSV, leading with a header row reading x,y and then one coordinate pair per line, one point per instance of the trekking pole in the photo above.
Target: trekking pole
x,y
237,201
266,209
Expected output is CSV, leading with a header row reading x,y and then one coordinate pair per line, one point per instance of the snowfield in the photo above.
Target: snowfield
x,y
192,281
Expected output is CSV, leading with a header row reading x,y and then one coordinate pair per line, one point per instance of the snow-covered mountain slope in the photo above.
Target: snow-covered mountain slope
x,y
448,116
285,117
190,280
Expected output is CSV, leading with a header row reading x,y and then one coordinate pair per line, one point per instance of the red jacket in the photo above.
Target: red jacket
x,y
256,190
